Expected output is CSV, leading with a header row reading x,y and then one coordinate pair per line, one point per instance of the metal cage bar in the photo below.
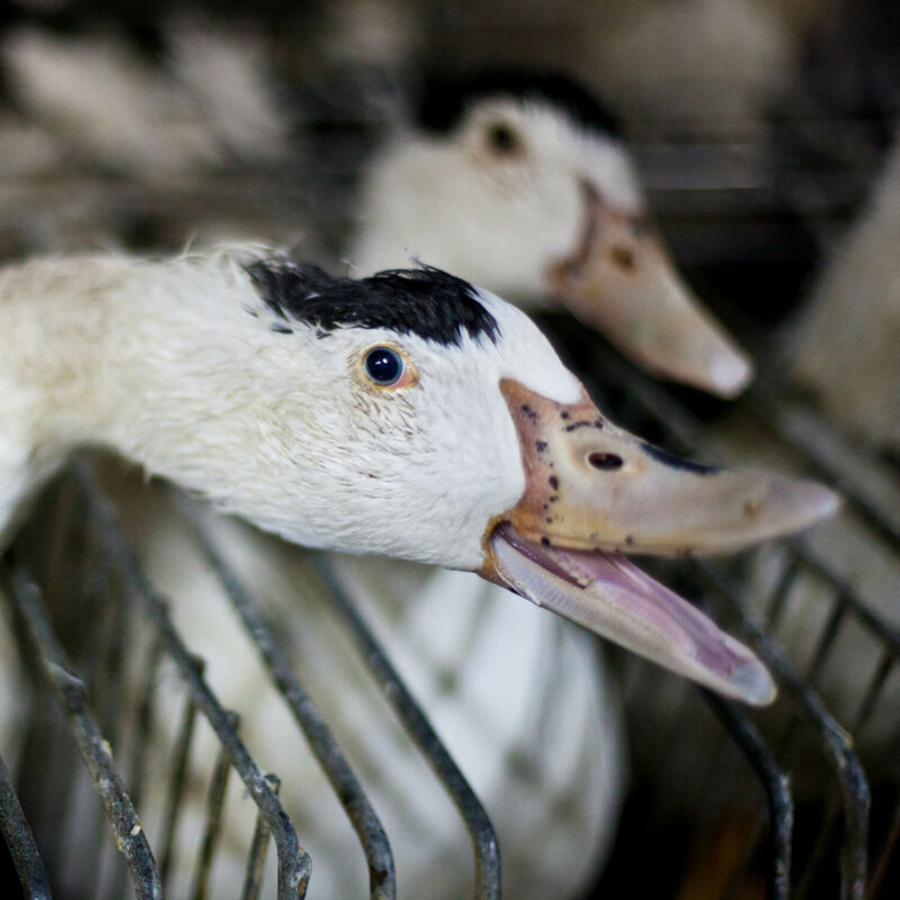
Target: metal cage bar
x,y
20,842
845,763
481,832
71,694
293,862
368,827
780,803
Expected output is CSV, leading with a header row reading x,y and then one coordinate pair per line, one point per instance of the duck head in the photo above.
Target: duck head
x,y
522,184
434,422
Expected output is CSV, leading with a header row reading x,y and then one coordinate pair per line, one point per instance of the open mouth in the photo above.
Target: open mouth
x,y
610,596
593,490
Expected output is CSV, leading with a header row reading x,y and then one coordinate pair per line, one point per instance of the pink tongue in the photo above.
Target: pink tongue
x,y
609,595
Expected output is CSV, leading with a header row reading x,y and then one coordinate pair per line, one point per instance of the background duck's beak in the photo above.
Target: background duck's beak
x,y
622,282
593,489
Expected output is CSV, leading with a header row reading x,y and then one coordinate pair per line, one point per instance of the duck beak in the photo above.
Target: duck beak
x,y
593,490
622,282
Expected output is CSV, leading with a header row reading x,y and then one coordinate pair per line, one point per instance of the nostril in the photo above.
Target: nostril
x,y
622,257
605,462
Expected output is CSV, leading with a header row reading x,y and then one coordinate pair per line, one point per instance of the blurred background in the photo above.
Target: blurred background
x,y
764,134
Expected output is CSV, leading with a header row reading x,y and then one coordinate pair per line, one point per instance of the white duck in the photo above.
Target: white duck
x,y
844,346
577,208
341,414
538,200
320,396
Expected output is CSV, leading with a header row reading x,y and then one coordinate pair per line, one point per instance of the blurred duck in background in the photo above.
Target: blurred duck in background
x,y
539,199
522,182
846,343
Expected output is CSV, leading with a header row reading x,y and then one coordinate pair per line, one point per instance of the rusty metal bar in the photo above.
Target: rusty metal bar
x,y
95,751
368,827
293,863
20,842
258,849
481,832
215,801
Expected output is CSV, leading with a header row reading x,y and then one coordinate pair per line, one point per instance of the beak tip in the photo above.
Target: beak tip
x,y
821,502
730,374
753,684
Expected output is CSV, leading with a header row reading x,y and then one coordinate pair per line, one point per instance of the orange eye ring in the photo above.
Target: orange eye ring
x,y
386,368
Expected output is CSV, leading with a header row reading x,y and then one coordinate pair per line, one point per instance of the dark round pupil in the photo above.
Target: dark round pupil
x,y
503,137
384,365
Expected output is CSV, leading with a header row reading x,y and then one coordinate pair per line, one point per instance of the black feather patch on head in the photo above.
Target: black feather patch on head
x,y
425,301
442,103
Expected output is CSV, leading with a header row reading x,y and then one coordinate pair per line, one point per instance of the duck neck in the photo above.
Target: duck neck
x,y
105,351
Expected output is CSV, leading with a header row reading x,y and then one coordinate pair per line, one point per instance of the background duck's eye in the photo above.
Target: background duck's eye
x,y
383,366
502,138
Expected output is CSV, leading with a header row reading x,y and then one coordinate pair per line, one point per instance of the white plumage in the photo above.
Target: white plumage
x,y
845,343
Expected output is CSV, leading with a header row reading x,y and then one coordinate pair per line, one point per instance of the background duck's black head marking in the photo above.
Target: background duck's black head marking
x,y
442,103
425,301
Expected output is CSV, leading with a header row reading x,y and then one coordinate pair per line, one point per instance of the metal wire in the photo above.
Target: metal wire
x,y
95,750
20,842
115,556
294,864
846,765
347,787
778,792
371,833
481,832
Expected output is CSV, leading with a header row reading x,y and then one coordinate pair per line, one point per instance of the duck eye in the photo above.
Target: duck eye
x,y
503,139
384,366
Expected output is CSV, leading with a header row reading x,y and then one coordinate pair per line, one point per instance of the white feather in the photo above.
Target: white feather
x,y
845,345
